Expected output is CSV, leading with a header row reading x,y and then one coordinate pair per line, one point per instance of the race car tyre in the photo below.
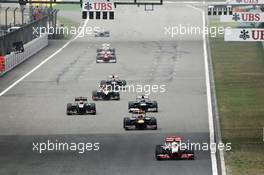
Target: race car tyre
x,y
103,82
158,150
155,105
126,122
117,96
190,152
94,95
130,105
68,110
93,107
153,121
123,83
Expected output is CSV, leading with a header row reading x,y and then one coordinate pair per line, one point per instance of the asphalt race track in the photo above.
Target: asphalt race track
x,y
35,109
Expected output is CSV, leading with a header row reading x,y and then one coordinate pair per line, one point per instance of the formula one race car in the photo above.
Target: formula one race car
x,y
106,54
139,120
102,33
173,150
143,103
114,82
105,93
106,48
105,57
80,106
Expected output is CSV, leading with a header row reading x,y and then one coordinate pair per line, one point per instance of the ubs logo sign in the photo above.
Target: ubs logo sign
x,y
244,34
257,35
253,34
88,6
99,6
247,17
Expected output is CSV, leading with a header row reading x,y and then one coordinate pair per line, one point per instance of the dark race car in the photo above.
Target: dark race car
x,y
173,150
140,121
80,106
102,33
114,82
143,103
105,94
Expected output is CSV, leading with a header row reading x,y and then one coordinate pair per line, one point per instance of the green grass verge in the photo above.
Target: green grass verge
x,y
239,81
67,23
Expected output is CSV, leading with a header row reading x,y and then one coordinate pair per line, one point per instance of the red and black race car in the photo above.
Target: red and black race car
x,y
105,57
106,54
173,150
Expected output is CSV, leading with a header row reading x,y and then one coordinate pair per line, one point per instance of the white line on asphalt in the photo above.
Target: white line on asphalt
x,y
209,98
43,62
209,102
222,159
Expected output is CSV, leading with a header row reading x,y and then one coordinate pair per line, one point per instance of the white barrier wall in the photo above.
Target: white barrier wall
x,y
31,48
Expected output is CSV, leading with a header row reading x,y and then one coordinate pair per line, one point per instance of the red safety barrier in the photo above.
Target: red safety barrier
x,y
2,63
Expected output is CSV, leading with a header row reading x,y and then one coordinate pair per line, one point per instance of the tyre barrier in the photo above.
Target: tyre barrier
x,y
10,61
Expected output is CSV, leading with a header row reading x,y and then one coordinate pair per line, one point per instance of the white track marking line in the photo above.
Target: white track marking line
x,y
222,158
209,102
43,62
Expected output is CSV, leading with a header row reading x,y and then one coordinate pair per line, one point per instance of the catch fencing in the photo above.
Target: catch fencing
x,y
24,34
12,60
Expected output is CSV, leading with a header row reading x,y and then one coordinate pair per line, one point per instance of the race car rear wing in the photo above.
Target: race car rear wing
x,y
137,111
80,99
111,76
141,97
169,139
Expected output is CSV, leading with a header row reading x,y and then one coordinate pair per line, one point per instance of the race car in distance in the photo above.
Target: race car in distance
x,y
139,120
106,54
80,106
105,93
106,48
105,57
143,103
114,82
102,33
173,150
